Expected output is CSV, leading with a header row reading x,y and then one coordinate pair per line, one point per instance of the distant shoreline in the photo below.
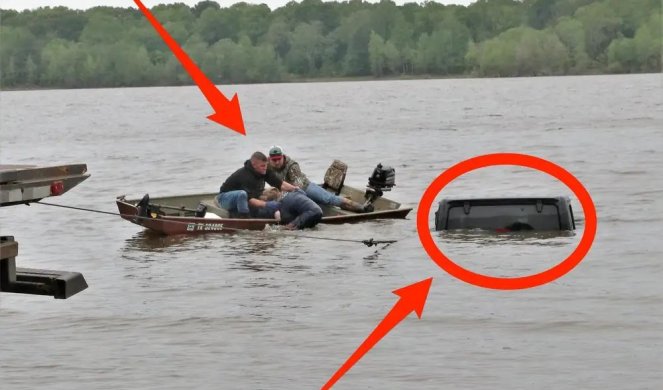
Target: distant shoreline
x,y
296,80
290,80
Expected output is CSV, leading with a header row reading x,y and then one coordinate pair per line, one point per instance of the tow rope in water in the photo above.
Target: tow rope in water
x,y
370,242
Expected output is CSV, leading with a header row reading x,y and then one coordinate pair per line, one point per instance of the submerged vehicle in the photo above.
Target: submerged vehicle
x,y
201,213
506,214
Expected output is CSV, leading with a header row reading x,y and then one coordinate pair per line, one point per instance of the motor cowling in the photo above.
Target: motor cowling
x,y
382,179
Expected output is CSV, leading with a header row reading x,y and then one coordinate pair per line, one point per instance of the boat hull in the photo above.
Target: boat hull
x,y
171,225
178,218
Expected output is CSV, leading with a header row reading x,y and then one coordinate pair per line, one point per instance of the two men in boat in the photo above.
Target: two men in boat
x,y
287,169
242,195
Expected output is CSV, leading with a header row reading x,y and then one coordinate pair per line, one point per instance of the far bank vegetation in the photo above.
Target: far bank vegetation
x,y
244,43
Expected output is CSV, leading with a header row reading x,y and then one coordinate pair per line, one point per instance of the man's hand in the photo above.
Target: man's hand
x,y
288,187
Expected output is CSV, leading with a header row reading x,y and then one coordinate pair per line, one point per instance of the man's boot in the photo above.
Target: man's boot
x,y
351,205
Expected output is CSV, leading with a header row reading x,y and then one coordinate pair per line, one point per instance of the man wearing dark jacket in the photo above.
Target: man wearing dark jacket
x,y
298,211
295,209
240,193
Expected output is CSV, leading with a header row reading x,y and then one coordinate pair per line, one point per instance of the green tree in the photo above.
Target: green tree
x,y
31,72
376,54
59,59
633,13
102,28
251,20
17,45
231,61
333,55
392,58
202,6
9,73
195,47
540,13
540,53
488,18
310,11
520,51
601,27
384,18
401,32
623,56
443,51
354,34
307,49
132,65
57,22
425,18
215,25
178,12
572,34
649,43
265,65
278,36
91,69
569,7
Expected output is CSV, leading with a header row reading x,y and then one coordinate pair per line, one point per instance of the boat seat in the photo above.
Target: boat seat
x,y
214,207
335,176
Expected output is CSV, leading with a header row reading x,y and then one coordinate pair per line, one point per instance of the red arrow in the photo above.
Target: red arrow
x,y
226,112
413,298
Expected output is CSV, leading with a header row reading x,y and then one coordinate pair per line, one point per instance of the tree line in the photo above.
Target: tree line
x,y
58,47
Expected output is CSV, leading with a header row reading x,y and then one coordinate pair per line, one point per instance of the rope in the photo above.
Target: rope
x,y
82,209
369,243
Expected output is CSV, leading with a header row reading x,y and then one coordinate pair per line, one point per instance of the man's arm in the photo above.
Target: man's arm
x,y
295,175
270,205
285,186
257,203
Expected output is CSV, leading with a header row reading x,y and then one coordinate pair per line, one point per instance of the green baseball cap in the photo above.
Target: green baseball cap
x,y
275,151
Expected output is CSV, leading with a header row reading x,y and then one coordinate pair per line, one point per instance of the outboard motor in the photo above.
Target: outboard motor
x,y
382,179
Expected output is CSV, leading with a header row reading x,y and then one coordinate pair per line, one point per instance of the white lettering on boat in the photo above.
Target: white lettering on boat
x,y
213,226
204,227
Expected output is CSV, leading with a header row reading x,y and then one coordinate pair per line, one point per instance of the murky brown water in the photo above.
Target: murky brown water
x,y
266,312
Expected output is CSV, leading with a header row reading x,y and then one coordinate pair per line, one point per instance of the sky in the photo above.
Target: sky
x,y
85,4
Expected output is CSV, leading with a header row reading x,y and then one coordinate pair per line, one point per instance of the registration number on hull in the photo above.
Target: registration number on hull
x,y
197,227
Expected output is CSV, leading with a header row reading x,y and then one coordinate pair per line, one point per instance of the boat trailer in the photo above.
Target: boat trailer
x,y
23,184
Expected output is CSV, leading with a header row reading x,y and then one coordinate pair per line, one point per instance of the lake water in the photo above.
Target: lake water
x,y
270,311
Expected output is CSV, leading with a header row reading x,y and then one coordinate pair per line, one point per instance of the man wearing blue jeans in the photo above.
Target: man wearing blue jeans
x,y
293,209
288,169
240,193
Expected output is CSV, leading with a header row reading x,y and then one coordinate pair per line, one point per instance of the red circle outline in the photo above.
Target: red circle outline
x,y
515,283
